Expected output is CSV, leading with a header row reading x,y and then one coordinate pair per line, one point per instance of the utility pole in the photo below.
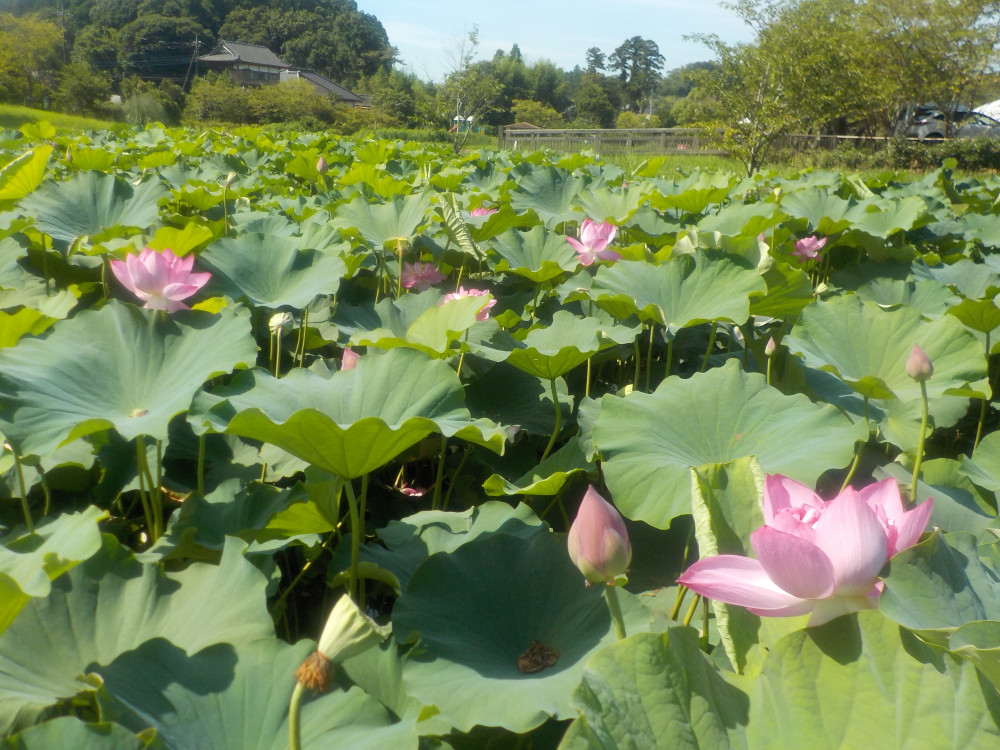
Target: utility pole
x,y
194,57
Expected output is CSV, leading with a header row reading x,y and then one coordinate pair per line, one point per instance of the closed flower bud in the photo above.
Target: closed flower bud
x,y
280,322
321,165
919,366
770,347
598,541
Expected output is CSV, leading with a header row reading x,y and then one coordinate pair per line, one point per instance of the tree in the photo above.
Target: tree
x,y
595,106
83,90
527,110
638,62
595,60
155,46
29,52
469,92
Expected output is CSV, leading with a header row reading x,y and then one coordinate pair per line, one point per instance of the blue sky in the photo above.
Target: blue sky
x,y
426,32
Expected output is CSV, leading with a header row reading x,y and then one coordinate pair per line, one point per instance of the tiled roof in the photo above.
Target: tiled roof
x,y
325,85
252,54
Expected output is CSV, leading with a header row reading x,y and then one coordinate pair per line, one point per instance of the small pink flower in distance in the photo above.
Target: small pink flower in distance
x,y
321,165
483,211
421,276
594,239
484,312
412,491
808,248
160,280
349,359
598,540
813,556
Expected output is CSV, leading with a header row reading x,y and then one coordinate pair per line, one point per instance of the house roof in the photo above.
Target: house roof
x,y
252,54
323,84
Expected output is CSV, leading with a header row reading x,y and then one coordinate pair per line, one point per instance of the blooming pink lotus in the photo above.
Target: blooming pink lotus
x,y
594,239
598,541
483,211
813,556
421,276
808,248
484,312
161,280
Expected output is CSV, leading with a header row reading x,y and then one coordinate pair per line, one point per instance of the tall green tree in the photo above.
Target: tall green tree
x,y
638,63
30,50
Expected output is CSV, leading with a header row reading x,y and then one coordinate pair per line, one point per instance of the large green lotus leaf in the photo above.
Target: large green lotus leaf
x,y
958,504
91,204
30,562
932,299
862,681
272,271
568,341
25,173
982,227
685,291
353,421
509,396
972,280
68,731
411,540
396,220
694,194
984,466
979,642
421,321
538,254
656,691
789,292
226,698
21,289
478,610
649,441
181,241
615,206
940,584
726,505
548,477
979,315
121,367
746,219
111,604
824,212
549,192
867,347
886,217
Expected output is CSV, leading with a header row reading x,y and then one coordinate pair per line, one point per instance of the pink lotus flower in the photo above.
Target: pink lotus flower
x,y
412,491
919,365
349,359
484,311
598,541
808,248
421,276
321,165
161,280
594,238
813,556
483,211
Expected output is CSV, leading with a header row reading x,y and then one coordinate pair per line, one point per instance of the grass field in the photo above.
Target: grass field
x,y
12,116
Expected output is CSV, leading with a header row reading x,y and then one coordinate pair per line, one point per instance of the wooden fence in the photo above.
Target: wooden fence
x,y
653,141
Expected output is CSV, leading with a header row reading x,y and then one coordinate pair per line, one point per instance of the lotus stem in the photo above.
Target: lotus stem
x,y
303,333
288,590
147,509
681,592
985,400
439,478
45,266
399,258
451,484
24,494
277,353
294,707
854,465
711,346
670,357
558,426
362,501
691,610
638,365
201,464
920,444
586,386
615,608
155,503
45,491
649,355
352,505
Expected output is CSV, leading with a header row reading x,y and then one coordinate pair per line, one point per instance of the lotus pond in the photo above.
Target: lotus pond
x,y
248,379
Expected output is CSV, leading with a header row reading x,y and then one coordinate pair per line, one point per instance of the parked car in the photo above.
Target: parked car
x,y
923,121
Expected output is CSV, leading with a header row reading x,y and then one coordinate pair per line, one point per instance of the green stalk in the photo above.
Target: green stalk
x,y
362,501
201,464
920,444
586,387
555,431
277,353
649,355
985,400
155,501
439,479
304,330
670,357
24,494
769,360
294,707
711,346
615,608
45,491
691,610
854,465
638,364
352,504
681,591
454,478
147,509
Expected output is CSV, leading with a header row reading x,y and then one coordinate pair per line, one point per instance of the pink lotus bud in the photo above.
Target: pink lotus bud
x,y
349,360
483,211
598,541
808,248
770,347
919,366
321,165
